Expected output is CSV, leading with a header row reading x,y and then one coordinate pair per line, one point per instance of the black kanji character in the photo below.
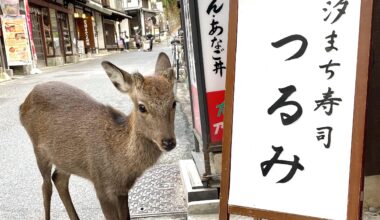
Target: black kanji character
x,y
292,38
266,166
341,11
322,135
327,70
213,7
215,27
281,102
331,41
327,100
219,65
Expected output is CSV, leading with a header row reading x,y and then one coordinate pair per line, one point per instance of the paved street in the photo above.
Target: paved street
x,y
158,193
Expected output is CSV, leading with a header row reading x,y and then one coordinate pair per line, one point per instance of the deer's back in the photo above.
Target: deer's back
x,y
67,126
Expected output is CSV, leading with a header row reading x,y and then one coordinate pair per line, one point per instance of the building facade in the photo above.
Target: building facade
x,y
63,31
146,17
98,22
53,32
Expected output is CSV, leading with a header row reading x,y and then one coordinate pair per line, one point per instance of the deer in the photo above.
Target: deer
x,y
78,135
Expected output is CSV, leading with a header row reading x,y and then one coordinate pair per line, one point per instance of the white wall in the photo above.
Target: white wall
x,y
112,4
132,4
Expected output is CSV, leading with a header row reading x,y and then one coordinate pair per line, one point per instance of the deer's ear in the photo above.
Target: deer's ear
x,y
121,79
168,74
162,63
163,67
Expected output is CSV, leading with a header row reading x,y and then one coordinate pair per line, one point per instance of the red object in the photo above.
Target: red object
x,y
27,13
215,106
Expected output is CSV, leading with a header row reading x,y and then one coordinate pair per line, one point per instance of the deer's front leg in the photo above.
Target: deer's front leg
x,y
122,207
107,204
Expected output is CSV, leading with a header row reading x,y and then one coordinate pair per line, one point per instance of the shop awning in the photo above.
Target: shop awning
x,y
95,7
118,15
151,11
135,9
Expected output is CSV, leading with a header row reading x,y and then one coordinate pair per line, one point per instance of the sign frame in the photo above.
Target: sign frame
x,y
358,128
198,92
26,40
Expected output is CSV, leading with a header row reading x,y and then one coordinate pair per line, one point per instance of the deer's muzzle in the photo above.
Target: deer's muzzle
x,y
168,144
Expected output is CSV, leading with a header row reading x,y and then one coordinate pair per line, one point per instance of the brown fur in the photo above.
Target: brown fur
x,y
81,136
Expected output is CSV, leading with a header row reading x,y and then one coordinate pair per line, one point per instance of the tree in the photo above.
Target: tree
x,y
172,13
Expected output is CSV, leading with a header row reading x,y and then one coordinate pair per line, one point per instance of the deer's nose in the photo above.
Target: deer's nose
x,y
169,143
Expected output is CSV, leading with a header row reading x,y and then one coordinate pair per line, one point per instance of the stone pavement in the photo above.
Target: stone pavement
x,y
158,194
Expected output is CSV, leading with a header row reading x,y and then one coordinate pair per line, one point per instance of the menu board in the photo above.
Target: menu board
x,y
16,40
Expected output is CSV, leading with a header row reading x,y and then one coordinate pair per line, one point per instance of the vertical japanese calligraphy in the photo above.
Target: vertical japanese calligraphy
x,y
294,95
213,16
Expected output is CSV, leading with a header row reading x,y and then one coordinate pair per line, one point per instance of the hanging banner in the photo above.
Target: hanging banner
x,y
213,21
16,40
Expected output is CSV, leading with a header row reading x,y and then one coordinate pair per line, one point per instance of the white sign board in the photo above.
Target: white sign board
x,y
293,106
213,22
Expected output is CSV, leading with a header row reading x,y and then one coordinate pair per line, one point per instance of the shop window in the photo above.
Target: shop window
x,y
65,32
46,26
55,31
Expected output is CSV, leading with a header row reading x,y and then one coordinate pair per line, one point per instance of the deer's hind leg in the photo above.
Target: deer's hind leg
x,y
45,168
61,182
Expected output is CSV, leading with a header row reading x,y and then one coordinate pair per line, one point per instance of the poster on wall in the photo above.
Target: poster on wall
x,y
296,108
213,21
10,7
16,40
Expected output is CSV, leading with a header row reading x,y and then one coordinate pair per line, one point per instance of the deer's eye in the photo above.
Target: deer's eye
x,y
174,104
142,108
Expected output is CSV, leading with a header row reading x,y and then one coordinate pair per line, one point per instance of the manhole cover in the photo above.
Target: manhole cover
x,y
158,192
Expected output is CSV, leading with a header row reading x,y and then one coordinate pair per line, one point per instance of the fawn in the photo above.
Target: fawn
x,y
78,135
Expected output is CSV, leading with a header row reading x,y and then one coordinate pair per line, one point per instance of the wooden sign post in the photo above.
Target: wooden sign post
x,y
295,108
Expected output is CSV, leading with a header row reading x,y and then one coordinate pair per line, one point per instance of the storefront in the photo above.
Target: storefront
x,y
85,30
143,21
96,27
53,33
110,34
150,22
112,28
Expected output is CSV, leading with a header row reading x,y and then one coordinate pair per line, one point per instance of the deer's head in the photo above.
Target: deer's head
x,y
153,99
